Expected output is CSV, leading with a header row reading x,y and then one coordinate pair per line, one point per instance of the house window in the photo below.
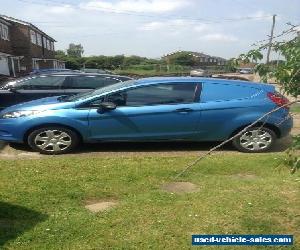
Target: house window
x,y
33,36
48,44
52,46
4,32
39,39
44,42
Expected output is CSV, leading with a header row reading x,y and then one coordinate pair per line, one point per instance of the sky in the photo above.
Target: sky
x,y
153,28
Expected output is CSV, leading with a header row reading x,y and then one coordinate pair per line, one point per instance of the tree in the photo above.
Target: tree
x,y
183,58
133,60
287,71
72,63
75,50
60,54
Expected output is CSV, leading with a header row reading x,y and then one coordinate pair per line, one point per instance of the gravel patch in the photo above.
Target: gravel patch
x,y
101,206
243,176
180,187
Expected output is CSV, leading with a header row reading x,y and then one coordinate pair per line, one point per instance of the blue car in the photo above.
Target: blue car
x,y
151,109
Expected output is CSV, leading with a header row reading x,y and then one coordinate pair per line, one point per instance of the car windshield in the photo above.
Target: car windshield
x,y
99,91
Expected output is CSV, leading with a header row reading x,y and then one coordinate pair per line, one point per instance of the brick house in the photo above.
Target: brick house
x,y
201,59
24,47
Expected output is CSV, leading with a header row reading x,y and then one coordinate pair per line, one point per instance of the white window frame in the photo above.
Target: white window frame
x,y
52,46
33,37
48,45
4,33
44,42
39,39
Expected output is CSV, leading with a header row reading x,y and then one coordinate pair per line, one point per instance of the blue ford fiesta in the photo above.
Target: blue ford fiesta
x,y
151,109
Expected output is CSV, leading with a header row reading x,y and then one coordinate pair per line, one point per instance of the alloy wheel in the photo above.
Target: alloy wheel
x,y
53,141
256,140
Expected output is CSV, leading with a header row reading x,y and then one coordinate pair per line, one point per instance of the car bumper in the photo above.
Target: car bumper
x,y
286,126
11,130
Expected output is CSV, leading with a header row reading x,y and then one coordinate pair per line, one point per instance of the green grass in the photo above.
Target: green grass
x,y
42,201
295,108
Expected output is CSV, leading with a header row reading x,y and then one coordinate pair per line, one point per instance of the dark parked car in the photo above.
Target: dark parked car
x,y
45,85
4,79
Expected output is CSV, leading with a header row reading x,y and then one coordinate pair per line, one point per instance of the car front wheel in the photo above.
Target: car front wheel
x,y
53,140
255,140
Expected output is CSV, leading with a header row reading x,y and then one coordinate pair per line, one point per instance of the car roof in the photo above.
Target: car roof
x,y
188,79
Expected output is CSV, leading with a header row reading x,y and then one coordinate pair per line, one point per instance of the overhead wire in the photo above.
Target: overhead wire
x,y
144,14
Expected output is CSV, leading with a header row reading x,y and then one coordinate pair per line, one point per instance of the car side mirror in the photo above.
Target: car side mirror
x,y
106,106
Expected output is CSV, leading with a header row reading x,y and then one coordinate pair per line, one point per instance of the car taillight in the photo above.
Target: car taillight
x,y
278,99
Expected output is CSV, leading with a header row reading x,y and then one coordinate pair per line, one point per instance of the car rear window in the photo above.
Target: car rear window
x,y
223,92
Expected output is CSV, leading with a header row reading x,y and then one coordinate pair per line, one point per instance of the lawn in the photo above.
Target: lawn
x,y
151,73
42,201
295,108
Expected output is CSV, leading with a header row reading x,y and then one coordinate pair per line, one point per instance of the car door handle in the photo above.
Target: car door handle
x,y
184,110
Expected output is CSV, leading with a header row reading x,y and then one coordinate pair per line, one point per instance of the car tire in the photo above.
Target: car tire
x,y
255,140
53,140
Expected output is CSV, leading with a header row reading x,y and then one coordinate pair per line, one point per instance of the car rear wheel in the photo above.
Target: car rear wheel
x,y
53,140
255,140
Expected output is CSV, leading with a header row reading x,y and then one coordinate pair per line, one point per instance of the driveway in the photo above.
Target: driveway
x,y
127,149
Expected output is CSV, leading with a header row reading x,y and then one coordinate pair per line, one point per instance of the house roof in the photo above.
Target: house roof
x,y
2,20
14,20
195,54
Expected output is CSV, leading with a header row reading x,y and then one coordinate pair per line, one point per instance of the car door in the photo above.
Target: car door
x,y
79,84
156,112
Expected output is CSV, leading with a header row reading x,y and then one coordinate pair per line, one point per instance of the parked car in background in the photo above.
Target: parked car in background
x,y
246,71
199,73
44,85
4,79
151,109
233,76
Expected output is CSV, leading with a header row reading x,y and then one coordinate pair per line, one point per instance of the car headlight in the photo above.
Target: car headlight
x,y
21,113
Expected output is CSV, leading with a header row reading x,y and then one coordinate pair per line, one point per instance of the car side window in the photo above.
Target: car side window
x,y
41,83
158,94
88,82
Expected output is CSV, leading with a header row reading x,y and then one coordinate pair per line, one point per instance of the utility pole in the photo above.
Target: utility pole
x,y
271,40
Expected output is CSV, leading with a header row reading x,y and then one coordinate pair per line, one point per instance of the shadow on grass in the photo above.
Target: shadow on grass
x,y
2,145
162,146
15,220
